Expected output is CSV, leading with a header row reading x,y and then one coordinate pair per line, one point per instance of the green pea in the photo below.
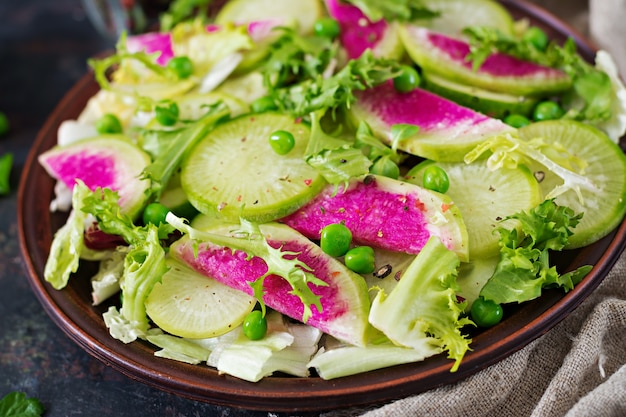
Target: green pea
x,y
386,167
360,260
263,104
109,123
181,66
255,325
486,313
436,179
547,110
408,80
155,213
536,37
326,27
516,120
4,123
282,142
167,115
335,239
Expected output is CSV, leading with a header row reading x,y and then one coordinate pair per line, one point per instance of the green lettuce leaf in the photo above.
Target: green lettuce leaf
x,y
335,159
422,311
68,242
509,151
337,90
524,267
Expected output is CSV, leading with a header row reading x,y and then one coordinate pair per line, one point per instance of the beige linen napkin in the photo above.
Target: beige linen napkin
x,y
579,367
576,369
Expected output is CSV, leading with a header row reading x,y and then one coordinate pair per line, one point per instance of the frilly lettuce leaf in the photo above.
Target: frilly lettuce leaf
x,y
422,311
524,266
251,241
335,159
509,151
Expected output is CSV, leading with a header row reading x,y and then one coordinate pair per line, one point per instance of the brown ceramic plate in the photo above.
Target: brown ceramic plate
x,y
72,311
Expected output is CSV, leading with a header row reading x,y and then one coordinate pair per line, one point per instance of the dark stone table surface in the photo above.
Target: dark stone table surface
x,y
44,46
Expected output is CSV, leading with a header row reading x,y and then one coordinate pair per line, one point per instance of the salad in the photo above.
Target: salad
x,y
328,188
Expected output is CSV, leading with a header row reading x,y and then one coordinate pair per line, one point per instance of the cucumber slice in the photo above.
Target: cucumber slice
x,y
305,12
491,103
445,56
456,15
484,196
188,304
234,172
605,206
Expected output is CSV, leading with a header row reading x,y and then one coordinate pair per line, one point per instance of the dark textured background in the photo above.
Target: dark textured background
x,y
44,46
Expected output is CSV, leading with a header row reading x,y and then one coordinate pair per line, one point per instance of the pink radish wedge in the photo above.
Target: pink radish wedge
x,y
385,213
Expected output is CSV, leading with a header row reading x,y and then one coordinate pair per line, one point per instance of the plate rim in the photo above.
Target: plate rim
x,y
286,393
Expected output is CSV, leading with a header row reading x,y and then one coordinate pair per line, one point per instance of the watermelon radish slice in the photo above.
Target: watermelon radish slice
x,y
161,42
150,43
447,131
358,33
345,300
107,161
446,56
385,213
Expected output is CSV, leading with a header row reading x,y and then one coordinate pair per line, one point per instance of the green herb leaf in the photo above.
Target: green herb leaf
x,y
17,404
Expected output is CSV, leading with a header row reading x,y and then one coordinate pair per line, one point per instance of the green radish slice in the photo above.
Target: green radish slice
x,y
106,161
234,172
604,207
472,278
456,15
188,304
483,197
175,199
491,103
304,12
194,105
445,56
447,131
344,300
